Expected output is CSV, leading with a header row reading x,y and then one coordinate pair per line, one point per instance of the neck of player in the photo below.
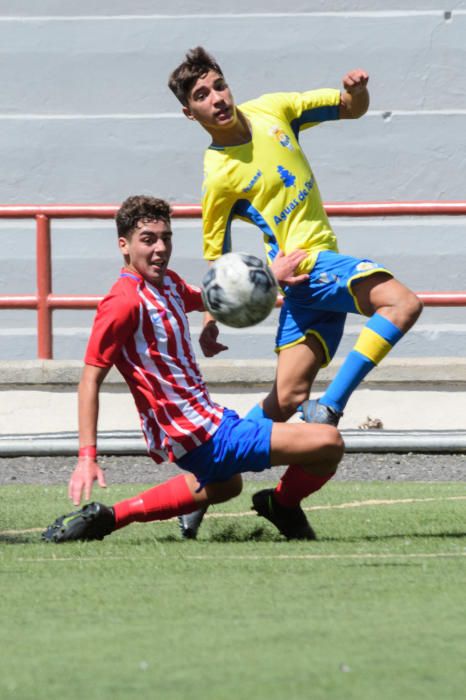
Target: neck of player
x,y
239,133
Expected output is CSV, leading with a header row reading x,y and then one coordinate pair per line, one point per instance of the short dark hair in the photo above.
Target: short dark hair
x,y
196,64
140,208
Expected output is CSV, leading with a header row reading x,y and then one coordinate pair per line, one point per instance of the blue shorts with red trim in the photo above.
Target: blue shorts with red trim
x,y
319,306
238,445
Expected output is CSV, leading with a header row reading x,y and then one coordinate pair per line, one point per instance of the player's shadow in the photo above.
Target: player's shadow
x,y
229,533
18,539
400,536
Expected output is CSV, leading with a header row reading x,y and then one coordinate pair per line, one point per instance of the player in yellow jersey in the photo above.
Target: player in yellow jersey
x,y
255,170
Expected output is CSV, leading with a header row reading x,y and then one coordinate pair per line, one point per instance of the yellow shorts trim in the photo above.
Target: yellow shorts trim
x,y
327,359
360,275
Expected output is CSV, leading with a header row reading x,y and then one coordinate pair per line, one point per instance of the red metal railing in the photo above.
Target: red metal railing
x,y
45,302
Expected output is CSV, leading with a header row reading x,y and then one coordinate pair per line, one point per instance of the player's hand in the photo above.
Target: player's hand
x,y
82,479
208,340
284,266
355,81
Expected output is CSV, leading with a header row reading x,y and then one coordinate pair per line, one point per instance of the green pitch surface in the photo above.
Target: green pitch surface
x,y
373,610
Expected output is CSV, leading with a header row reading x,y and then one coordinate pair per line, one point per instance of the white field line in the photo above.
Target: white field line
x,y
369,555
256,557
339,506
351,504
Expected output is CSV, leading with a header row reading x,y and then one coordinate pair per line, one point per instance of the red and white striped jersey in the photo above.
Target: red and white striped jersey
x,y
143,330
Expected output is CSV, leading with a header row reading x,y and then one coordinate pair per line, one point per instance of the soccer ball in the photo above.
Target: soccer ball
x,y
239,290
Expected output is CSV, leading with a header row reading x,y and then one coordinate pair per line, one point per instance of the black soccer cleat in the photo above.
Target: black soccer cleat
x,y
190,523
291,522
93,522
312,411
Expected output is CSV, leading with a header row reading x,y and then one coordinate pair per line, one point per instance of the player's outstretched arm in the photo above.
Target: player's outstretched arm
x,y
87,469
355,98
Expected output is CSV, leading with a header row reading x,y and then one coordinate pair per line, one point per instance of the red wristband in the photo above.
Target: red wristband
x,y
88,451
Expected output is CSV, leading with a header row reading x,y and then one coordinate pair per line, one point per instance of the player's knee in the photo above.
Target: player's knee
x,y
332,447
410,307
235,486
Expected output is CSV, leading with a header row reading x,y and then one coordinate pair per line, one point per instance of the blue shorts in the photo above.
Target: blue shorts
x,y
319,306
238,445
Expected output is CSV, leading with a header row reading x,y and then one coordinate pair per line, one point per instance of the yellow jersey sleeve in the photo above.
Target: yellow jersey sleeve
x,y
301,110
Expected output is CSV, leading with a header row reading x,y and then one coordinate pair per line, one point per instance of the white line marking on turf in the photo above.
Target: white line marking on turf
x,y
21,532
351,504
337,506
254,557
369,555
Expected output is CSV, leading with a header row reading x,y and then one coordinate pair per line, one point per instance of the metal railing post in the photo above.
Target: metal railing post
x,y
44,287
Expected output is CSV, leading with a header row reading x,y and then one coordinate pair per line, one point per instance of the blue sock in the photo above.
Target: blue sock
x,y
350,375
377,338
256,413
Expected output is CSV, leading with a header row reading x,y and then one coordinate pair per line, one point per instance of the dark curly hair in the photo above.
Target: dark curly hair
x,y
140,208
196,64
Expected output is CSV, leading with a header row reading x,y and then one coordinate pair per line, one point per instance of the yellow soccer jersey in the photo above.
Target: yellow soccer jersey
x,y
268,181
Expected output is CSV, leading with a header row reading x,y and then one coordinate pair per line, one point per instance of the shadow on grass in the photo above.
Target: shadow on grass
x,y
19,539
401,536
231,534
226,534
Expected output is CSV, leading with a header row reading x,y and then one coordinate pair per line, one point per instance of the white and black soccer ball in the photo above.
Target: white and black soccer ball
x,y
239,290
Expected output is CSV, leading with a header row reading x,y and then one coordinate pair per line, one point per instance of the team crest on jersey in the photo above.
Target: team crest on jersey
x,y
282,138
363,266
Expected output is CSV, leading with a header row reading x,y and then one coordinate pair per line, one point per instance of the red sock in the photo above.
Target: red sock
x,y
161,502
296,484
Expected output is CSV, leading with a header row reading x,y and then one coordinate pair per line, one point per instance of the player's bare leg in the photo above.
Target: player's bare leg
x,y
385,295
392,309
297,368
318,449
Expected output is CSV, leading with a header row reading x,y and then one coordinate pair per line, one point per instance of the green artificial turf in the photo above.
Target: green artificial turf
x,y
373,610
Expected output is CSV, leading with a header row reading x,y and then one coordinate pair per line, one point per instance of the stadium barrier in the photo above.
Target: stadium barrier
x,y
44,301
131,442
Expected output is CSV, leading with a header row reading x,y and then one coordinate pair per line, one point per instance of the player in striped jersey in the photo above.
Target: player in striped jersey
x,y
142,329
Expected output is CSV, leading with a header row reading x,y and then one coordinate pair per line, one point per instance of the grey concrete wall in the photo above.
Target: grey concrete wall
x,y
40,397
86,117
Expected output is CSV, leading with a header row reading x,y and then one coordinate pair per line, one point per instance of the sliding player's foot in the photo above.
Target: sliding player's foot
x,y
291,522
190,523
